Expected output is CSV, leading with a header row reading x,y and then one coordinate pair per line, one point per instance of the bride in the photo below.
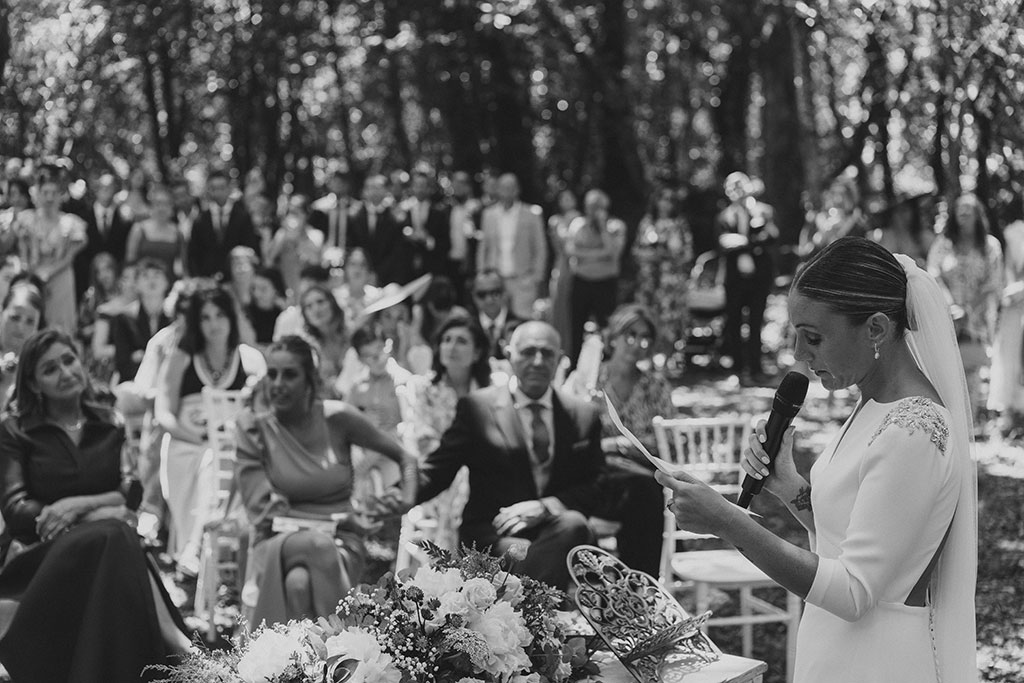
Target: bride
x,y
891,506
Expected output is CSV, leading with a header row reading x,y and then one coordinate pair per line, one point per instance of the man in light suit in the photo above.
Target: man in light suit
x,y
514,244
534,457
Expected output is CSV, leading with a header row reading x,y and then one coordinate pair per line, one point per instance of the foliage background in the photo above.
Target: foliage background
x,y
916,96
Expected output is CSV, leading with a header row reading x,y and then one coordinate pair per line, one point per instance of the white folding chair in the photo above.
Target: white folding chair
x,y
225,535
710,449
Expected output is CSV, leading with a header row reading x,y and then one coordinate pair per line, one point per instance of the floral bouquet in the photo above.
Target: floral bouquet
x,y
464,619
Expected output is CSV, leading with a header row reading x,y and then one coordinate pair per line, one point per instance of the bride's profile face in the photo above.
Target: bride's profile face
x,y
837,351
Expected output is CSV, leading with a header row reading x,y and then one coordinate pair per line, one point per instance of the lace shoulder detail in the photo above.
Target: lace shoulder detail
x,y
917,412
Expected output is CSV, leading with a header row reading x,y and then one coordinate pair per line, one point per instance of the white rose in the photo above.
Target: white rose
x,y
505,633
375,665
527,678
451,603
511,587
267,656
480,594
354,643
434,584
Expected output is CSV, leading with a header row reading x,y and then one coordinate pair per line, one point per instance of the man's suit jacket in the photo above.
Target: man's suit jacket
x,y
759,228
432,257
488,438
208,253
530,248
390,250
320,216
500,341
114,242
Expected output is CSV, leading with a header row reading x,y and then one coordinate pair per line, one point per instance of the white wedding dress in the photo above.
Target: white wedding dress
x,y
883,494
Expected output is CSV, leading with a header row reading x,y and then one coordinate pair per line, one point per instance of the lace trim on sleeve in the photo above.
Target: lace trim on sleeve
x,y
916,413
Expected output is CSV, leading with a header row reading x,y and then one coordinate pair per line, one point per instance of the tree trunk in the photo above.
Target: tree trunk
x,y
730,115
167,75
783,162
509,114
5,41
153,110
393,83
622,173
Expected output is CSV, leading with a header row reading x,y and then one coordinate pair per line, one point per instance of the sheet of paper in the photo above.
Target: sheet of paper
x,y
662,465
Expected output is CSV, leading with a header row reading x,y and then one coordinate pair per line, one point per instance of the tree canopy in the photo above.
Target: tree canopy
x,y
913,95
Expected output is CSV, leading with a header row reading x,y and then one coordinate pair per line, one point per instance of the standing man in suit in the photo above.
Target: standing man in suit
x,y
106,229
534,457
379,229
492,310
514,244
746,232
429,223
186,208
330,214
463,221
222,226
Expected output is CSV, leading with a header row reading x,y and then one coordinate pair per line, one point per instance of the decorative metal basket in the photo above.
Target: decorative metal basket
x,y
638,620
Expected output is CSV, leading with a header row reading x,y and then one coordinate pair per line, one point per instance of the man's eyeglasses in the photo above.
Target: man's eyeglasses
x,y
484,293
547,354
637,340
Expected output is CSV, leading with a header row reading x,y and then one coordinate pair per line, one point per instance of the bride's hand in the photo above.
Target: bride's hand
x,y
784,476
697,507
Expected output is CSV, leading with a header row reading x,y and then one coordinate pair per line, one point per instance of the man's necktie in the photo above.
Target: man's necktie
x,y
541,437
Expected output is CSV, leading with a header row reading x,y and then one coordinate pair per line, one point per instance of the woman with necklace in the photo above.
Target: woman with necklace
x,y
49,240
639,395
209,355
89,607
295,462
461,365
158,236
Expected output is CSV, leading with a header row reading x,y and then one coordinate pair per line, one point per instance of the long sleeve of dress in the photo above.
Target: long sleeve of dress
x,y
19,508
906,495
262,503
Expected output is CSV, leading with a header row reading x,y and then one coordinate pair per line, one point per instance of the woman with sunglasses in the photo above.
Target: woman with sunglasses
x,y
639,395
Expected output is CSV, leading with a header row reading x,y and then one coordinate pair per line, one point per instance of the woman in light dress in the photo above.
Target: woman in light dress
x,y
891,506
49,240
1006,394
968,263
561,277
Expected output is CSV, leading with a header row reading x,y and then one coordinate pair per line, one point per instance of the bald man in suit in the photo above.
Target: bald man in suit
x,y
534,458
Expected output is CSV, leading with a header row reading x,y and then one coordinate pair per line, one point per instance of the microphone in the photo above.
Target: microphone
x,y
786,404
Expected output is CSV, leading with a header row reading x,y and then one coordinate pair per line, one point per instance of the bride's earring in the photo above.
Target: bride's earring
x,y
876,350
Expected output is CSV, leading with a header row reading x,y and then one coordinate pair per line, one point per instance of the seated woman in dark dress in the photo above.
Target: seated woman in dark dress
x,y
88,608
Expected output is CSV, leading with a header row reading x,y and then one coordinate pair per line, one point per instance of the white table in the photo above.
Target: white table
x,y
728,669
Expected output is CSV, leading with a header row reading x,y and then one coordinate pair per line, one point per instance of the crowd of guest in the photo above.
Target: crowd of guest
x,y
396,352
